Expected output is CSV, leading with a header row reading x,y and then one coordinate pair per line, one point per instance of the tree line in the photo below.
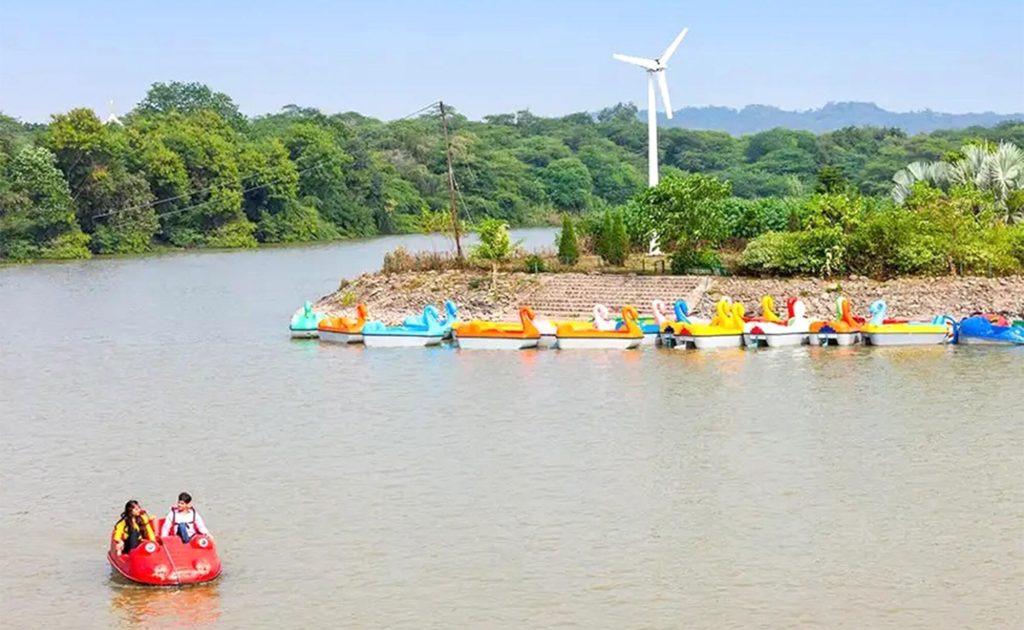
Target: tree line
x,y
185,168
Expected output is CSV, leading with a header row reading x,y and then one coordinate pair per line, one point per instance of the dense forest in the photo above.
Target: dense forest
x,y
185,168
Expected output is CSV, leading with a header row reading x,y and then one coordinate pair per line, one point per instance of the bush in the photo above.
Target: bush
x,y
893,241
568,246
401,259
820,251
687,261
535,264
748,218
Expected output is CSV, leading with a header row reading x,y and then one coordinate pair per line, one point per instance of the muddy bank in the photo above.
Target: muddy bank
x,y
392,297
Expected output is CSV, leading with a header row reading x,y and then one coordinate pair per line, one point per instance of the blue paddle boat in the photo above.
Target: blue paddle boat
x,y
979,330
450,319
415,331
304,322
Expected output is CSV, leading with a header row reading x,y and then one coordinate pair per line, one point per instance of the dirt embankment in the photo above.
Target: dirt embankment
x,y
392,297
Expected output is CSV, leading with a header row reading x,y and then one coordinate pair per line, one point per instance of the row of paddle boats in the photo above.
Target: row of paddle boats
x,y
729,328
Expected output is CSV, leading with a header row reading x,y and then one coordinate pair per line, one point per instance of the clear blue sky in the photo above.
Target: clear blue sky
x,y
386,58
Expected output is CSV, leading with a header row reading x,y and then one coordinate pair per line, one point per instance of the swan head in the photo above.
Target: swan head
x,y
361,312
430,314
451,310
790,304
737,314
797,310
877,310
307,308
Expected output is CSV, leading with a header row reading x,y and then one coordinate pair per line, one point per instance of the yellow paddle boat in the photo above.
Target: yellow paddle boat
x,y
724,331
573,337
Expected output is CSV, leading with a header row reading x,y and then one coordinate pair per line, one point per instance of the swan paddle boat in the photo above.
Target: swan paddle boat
x,y
344,329
169,562
980,330
842,331
549,328
484,335
451,317
378,335
650,324
304,322
573,337
767,312
680,317
878,333
724,331
793,332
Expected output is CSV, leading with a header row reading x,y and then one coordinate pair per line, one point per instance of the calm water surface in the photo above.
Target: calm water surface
x,y
432,488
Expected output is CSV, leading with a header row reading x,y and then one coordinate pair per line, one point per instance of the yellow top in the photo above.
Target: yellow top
x,y
121,530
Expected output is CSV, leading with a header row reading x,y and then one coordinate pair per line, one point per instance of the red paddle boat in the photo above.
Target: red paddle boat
x,y
169,562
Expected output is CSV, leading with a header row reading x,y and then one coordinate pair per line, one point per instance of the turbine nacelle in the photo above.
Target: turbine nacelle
x,y
656,70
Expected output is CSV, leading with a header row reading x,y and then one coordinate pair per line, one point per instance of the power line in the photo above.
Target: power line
x,y
198,205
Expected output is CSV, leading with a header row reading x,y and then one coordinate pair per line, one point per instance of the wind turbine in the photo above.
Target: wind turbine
x,y
655,72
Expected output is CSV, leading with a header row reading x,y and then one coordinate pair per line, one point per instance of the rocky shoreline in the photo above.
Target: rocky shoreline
x,y
391,297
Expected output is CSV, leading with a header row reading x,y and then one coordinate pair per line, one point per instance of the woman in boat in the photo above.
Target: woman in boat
x,y
133,528
183,520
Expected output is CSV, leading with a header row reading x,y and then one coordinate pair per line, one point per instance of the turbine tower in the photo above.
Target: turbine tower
x,y
655,72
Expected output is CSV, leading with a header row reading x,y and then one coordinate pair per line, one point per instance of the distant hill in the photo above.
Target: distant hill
x,y
754,118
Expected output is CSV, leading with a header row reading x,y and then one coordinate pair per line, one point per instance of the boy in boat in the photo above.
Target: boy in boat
x,y
184,520
133,528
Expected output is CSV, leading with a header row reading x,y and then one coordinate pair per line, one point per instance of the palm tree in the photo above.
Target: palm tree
x,y
936,173
997,170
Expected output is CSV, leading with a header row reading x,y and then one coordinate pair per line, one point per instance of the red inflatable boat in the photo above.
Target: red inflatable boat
x,y
169,562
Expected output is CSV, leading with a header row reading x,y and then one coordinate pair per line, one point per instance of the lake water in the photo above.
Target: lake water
x,y
826,487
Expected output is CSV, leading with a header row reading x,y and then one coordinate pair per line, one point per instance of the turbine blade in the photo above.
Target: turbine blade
x,y
663,86
650,64
665,56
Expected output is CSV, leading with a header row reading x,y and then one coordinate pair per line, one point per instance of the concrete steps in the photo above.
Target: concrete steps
x,y
573,295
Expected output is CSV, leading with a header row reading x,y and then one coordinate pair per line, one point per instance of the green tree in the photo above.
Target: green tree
x,y
831,180
615,241
189,98
37,218
495,245
116,208
686,212
568,246
568,184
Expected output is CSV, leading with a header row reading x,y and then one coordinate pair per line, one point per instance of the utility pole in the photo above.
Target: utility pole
x,y
451,183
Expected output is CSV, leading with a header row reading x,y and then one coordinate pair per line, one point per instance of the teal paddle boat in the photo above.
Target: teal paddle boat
x,y
415,331
304,322
450,319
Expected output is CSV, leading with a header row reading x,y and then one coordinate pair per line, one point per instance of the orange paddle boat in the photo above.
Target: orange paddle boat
x,y
630,335
485,335
343,329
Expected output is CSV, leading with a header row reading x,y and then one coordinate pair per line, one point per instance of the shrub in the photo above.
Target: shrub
x,y
820,251
568,246
686,261
894,241
535,264
747,218
401,259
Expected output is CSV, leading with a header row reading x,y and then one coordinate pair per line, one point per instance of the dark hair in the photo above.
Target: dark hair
x,y
127,517
186,497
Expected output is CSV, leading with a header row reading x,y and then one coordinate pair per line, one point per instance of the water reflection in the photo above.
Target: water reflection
x,y
156,607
